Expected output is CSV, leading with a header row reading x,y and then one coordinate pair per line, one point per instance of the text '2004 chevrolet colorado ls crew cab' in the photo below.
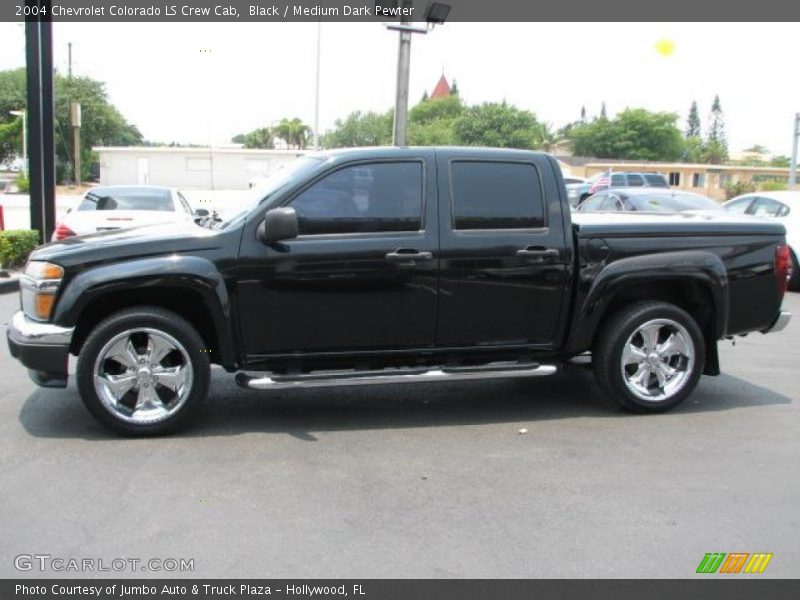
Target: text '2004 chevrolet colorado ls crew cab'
x,y
396,265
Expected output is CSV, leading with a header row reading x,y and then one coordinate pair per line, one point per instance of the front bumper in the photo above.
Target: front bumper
x,y
42,347
780,323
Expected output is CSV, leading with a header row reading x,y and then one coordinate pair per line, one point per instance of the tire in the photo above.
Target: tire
x,y
794,281
652,376
143,371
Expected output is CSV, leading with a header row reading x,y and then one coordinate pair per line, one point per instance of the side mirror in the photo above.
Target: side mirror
x,y
200,215
279,224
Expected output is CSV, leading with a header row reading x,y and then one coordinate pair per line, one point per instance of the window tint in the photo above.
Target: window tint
x,y
496,195
635,180
366,198
654,180
618,180
674,178
127,199
611,203
738,206
593,203
767,207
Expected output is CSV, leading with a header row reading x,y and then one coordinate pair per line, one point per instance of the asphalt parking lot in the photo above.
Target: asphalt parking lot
x,y
422,480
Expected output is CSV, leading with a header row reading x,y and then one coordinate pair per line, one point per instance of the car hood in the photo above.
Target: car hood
x,y
134,242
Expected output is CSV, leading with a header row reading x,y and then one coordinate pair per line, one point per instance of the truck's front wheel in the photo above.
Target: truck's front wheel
x,y
143,371
649,356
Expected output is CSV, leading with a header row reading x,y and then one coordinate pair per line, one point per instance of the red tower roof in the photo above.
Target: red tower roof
x,y
442,89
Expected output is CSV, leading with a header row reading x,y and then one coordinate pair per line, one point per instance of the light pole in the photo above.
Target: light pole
x,y
793,164
316,89
23,114
435,14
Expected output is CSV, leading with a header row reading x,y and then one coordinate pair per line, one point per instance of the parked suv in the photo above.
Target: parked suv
x,y
603,181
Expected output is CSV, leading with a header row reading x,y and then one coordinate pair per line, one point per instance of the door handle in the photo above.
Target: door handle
x,y
408,256
537,253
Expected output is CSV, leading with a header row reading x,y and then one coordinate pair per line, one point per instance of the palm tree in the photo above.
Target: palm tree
x,y
294,132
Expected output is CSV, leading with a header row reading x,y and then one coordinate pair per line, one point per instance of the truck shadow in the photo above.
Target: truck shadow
x,y
230,410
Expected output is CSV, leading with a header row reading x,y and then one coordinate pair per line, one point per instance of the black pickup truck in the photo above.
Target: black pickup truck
x,y
392,265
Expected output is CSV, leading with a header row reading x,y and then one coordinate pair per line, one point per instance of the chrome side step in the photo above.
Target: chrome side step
x,y
406,375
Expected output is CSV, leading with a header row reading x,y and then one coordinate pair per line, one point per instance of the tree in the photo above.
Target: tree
x,y
780,161
583,114
454,88
431,121
498,125
693,123
549,138
603,114
10,139
360,129
239,139
635,134
262,137
717,144
102,124
294,132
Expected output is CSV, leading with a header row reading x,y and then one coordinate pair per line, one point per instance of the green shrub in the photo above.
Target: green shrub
x,y
23,185
737,189
773,186
16,245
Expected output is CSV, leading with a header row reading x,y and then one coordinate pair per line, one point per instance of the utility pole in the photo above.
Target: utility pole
x,y
403,71
69,55
75,117
793,163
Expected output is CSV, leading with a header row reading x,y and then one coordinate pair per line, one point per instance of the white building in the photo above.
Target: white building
x,y
216,168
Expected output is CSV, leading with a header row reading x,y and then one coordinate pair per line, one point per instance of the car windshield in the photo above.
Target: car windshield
x,y
155,199
269,186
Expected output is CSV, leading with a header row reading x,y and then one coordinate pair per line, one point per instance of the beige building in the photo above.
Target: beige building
x,y
709,180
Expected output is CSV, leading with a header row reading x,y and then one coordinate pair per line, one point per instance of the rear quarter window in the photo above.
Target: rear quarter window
x,y
496,195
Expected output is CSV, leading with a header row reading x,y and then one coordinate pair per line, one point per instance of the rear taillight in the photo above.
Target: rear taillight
x,y
783,267
62,231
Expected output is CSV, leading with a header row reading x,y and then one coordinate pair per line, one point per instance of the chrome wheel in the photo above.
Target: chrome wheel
x,y
657,360
143,376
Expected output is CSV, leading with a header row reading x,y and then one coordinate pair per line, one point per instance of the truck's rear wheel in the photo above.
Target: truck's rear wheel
x,y
649,356
143,371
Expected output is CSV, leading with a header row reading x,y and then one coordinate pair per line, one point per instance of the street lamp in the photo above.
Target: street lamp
x,y
435,14
22,113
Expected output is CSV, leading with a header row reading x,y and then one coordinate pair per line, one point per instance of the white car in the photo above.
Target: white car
x,y
106,208
784,206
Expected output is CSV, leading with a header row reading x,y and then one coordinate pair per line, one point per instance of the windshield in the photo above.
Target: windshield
x,y
128,198
266,188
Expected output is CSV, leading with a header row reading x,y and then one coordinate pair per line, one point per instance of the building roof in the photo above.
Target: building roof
x,y
442,89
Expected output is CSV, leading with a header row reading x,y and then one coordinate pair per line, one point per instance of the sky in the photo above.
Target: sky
x,y
204,83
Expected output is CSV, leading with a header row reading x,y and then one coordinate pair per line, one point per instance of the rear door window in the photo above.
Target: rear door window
x,y
496,195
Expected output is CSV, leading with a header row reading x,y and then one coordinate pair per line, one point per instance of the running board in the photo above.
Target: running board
x,y
388,376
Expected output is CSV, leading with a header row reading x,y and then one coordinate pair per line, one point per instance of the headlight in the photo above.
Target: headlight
x,y
38,287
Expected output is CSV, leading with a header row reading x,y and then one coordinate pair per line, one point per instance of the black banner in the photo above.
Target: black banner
x,y
419,11
733,588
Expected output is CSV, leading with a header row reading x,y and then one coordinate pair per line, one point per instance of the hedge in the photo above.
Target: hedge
x,y
16,245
